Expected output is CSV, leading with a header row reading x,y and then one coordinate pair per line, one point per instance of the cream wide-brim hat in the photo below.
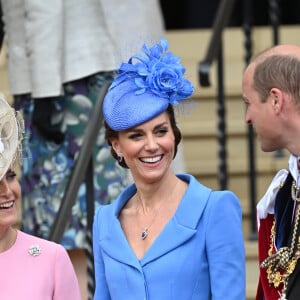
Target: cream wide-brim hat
x,y
9,136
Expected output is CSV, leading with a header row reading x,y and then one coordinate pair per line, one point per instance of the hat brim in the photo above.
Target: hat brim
x,y
8,136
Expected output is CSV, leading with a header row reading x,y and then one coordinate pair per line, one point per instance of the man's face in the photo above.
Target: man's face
x,y
260,114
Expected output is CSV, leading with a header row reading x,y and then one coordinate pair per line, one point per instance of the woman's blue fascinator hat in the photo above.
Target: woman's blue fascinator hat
x,y
145,87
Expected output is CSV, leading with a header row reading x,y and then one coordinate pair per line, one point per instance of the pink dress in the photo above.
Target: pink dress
x,y
37,269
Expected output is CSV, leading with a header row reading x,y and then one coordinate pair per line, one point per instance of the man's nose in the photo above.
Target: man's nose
x,y
248,119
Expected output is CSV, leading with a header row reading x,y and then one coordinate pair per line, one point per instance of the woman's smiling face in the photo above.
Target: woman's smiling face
x,y
10,196
148,149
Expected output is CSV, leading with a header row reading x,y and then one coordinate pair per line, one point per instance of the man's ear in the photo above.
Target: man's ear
x,y
277,98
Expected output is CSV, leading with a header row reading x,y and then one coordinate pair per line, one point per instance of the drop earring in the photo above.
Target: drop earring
x,y
120,158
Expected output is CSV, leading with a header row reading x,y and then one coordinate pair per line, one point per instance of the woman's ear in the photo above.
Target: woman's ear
x,y
115,145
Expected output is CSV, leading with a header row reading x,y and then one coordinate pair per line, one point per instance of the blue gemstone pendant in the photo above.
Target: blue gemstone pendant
x,y
144,233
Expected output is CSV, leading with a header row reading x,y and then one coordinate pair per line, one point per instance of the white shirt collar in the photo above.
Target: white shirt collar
x,y
266,204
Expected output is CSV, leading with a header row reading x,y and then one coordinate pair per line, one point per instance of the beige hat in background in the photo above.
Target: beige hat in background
x,y
11,132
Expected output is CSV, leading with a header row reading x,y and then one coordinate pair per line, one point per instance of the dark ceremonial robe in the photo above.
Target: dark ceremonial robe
x,y
293,289
283,213
265,291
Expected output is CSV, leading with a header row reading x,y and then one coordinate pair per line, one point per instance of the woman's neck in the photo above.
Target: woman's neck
x,y
151,196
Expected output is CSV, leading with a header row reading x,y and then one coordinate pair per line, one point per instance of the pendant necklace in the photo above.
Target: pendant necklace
x,y
145,231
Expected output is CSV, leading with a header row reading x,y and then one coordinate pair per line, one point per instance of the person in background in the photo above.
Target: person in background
x,y
59,57
60,54
271,91
166,236
32,268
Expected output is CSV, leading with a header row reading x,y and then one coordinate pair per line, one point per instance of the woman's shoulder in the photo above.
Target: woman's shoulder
x,y
193,183
212,196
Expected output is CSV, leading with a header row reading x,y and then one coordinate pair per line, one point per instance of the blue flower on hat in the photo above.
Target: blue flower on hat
x,y
145,86
158,71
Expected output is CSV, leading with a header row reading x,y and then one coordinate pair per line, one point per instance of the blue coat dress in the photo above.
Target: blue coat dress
x,y
198,255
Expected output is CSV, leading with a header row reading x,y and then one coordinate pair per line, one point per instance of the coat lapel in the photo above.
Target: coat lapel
x,y
182,226
114,242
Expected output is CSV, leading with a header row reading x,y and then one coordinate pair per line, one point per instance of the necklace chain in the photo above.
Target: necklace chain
x,y
145,231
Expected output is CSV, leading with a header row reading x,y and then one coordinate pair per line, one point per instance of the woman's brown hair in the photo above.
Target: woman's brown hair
x,y
110,134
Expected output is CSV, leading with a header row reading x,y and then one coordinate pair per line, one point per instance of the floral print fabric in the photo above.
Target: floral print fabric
x,y
46,166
